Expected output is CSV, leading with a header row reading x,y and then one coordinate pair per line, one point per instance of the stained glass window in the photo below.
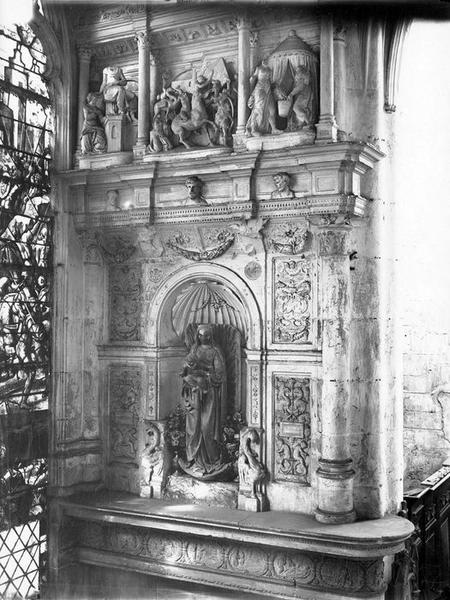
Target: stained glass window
x,y
26,136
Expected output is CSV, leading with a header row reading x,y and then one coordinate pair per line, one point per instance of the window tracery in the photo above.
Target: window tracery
x,y
26,136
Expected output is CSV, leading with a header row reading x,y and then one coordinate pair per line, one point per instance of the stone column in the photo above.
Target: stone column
x,y
335,473
84,59
144,89
339,78
326,127
243,73
154,62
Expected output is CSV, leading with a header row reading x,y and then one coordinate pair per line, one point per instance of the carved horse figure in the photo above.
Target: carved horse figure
x,y
189,119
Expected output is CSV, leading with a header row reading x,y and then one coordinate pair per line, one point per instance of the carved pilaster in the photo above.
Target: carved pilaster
x,y
335,473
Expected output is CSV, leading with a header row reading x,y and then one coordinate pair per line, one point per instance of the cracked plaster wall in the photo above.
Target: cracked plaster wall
x,y
424,244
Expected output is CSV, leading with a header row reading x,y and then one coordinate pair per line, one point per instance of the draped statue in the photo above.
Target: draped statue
x,y
204,391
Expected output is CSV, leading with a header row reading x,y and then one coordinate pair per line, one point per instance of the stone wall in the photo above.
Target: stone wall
x,y
424,246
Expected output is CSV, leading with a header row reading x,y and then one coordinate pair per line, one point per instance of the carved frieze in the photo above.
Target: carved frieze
x,y
274,565
125,391
200,244
292,428
125,293
292,300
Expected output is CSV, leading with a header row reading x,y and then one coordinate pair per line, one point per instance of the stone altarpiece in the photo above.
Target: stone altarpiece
x,y
213,188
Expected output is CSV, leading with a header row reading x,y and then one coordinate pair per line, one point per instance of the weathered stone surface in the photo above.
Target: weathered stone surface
x,y
186,489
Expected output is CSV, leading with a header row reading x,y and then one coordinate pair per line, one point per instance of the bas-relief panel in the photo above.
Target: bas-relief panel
x,y
310,570
125,286
125,392
292,300
291,400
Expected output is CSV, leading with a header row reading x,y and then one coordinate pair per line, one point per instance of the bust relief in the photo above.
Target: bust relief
x,y
282,189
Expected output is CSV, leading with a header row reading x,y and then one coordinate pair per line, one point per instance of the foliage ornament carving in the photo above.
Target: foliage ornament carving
x,y
332,241
179,245
292,428
126,302
288,238
116,249
312,571
125,393
292,285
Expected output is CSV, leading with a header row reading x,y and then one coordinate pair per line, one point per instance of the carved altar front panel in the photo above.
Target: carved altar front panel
x,y
291,400
255,566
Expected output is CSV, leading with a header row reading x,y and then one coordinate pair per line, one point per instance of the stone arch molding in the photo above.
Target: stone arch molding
x,y
219,273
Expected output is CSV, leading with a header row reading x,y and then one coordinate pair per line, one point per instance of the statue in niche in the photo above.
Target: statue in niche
x,y
118,99
262,102
281,181
194,187
302,96
204,392
93,138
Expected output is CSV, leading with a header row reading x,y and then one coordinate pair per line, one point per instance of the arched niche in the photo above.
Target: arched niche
x,y
236,336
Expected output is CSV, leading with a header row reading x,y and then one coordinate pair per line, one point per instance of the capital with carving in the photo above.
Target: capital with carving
x,y
333,240
243,21
254,39
84,53
143,40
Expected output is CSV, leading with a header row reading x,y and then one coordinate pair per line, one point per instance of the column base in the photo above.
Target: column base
x,y
324,516
335,487
327,130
